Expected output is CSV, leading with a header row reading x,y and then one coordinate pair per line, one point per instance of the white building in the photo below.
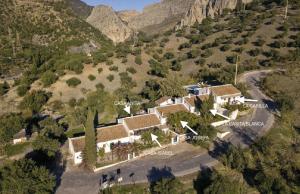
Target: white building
x,y
226,94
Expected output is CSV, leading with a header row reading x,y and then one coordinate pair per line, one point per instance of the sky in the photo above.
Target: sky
x,y
122,4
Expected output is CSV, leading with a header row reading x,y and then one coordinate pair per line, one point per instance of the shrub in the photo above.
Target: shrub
x,y
157,68
138,60
110,77
200,61
100,70
169,55
22,89
184,45
100,86
207,53
231,59
4,87
225,47
72,102
92,77
131,70
254,52
109,62
176,66
113,68
34,101
73,82
48,78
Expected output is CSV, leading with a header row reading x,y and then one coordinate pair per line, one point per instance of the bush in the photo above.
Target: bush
x,y
169,55
200,61
157,68
100,86
100,70
73,82
254,52
109,62
225,48
176,66
131,70
231,59
22,89
34,101
72,102
138,60
113,68
4,87
110,77
92,77
48,78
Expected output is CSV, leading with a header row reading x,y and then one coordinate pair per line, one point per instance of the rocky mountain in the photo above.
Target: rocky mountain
x,y
29,26
109,23
126,15
207,8
161,16
80,8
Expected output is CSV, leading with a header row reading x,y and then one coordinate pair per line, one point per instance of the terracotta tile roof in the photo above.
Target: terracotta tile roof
x,y
166,110
142,121
111,133
225,90
162,99
193,100
104,134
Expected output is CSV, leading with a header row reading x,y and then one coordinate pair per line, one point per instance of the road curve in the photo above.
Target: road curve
x,y
145,169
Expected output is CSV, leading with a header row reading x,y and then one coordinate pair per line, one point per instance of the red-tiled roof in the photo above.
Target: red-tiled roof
x,y
142,121
166,110
225,90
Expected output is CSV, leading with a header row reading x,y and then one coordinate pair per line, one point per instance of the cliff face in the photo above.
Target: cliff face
x,y
207,8
107,21
126,15
157,13
119,26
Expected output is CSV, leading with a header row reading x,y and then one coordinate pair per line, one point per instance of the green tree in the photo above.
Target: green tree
x,y
34,101
167,186
90,150
23,176
10,124
225,185
46,145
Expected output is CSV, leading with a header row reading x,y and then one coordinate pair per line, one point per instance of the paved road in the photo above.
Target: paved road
x,y
152,167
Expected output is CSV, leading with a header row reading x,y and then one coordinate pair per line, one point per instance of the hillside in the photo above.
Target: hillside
x,y
259,35
28,26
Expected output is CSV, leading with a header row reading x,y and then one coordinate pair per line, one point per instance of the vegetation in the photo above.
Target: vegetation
x,y
34,101
90,151
24,176
73,82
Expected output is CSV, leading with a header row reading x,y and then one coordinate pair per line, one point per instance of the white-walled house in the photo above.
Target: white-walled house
x,y
226,94
106,136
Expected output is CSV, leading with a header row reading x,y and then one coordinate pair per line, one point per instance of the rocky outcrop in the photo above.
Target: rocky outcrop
x,y
126,15
207,8
107,21
159,12
119,26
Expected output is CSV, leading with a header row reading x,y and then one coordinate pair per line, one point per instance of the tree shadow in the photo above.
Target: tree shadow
x,y
220,148
203,179
56,165
155,174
